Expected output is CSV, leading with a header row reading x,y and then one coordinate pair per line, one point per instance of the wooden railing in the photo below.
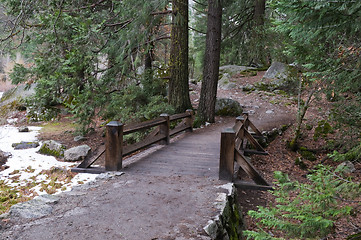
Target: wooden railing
x,y
115,150
234,147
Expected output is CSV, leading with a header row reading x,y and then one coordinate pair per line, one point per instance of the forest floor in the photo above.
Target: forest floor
x,y
267,110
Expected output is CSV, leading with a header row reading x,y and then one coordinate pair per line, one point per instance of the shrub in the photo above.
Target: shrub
x,y
306,210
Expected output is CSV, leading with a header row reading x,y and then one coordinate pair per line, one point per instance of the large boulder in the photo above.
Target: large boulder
x,y
226,83
277,71
76,153
52,148
228,107
281,76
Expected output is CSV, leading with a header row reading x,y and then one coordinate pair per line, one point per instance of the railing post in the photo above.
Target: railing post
x,y
114,146
189,120
226,161
240,119
246,122
164,129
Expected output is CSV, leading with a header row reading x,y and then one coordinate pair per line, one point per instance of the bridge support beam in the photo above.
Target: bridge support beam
x,y
226,161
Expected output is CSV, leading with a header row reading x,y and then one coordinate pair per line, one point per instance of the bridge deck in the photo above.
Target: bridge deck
x,y
195,154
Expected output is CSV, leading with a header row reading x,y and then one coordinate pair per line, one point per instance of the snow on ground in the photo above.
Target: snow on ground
x,y
1,94
25,166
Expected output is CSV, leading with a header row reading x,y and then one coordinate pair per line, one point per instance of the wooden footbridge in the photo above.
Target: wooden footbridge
x,y
171,193
216,154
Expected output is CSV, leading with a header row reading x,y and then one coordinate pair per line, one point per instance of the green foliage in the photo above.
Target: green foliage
x,y
323,37
244,39
135,104
306,210
81,51
352,155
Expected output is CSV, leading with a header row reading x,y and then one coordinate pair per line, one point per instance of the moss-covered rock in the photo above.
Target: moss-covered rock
x,y
52,148
323,128
307,154
228,107
229,224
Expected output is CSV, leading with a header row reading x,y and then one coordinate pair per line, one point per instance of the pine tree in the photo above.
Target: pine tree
x,y
207,102
178,92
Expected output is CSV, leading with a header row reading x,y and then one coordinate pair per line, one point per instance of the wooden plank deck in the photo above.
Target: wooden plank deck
x,y
194,154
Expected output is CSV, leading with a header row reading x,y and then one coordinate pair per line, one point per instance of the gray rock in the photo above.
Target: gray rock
x,y
109,175
228,107
79,138
47,198
269,111
347,167
35,208
76,153
23,129
4,156
25,145
226,83
277,70
280,75
53,148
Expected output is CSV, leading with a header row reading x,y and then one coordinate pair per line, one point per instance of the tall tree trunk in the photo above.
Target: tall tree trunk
x,y
148,71
178,92
259,12
258,35
207,102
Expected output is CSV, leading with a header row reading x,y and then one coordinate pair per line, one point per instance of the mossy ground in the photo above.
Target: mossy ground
x,y
10,196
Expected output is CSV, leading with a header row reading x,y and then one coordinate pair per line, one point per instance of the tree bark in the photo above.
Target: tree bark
x,y
207,102
178,92
259,12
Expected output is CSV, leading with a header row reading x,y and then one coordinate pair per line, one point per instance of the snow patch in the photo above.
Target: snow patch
x,y
26,165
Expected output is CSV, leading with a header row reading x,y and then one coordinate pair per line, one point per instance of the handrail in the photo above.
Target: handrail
x,y
143,125
114,149
233,148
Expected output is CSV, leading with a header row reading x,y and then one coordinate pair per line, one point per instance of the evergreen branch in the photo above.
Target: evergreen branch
x,y
121,24
57,18
238,28
198,11
86,7
202,4
198,31
161,13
